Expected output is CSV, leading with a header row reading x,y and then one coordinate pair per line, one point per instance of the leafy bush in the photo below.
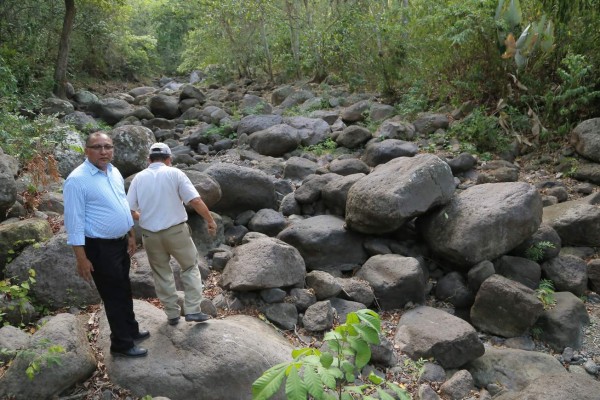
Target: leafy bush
x,y
325,147
536,251
332,373
572,100
481,130
37,360
18,292
545,292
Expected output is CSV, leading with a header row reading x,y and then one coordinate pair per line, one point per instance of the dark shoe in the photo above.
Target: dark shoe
x,y
132,352
141,335
197,317
173,321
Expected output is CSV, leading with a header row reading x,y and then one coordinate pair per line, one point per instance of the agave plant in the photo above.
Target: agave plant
x,y
537,35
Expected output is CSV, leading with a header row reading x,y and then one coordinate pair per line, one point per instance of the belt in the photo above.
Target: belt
x,y
108,240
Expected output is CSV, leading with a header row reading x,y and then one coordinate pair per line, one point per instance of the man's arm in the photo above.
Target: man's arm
x,y
84,266
131,244
201,208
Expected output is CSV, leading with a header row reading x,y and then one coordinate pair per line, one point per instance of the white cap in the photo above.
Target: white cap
x,y
160,148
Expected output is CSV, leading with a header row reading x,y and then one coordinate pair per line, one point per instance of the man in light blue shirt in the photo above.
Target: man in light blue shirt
x,y
100,229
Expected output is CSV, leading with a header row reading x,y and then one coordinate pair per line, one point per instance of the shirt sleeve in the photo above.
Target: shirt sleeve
x,y
132,196
186,188
74,214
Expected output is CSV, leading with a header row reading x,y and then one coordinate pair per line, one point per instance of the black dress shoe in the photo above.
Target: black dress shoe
x,y
132,352
173,321
141,335
197,317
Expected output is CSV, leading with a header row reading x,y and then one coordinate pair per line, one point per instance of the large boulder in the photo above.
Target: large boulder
x,y
57,282
562,386
562,325
132,147
218,359
8,193
425,332
242,189
77,362
207,187
263,263
111,110
275,141
310,130
69,153
483,222
379,152
568,273
504,307
164,106
15,236
255,123
576,221
324,243
585,138
395,279
513,369
398,191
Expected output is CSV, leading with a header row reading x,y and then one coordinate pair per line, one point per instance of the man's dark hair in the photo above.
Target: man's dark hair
x,y
96,134
158,157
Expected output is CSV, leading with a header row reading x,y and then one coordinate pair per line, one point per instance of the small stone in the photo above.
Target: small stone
x,y
567,354
591,367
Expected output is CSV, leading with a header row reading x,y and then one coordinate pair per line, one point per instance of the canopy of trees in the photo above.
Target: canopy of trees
x,y
422,53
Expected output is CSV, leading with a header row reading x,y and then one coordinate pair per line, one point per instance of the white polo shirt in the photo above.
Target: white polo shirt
x,y
158,193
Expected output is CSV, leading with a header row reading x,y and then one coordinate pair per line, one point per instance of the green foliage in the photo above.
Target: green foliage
x,y
25,138
481,130
42,354
332,373
535,252
545,292
535,38
573,99
537,332
325,147
18,292
413,101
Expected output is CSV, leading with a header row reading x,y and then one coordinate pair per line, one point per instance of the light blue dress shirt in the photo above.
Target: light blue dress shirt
x,y
95,204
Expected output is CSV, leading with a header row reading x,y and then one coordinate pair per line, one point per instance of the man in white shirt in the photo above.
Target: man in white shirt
x,y
156,197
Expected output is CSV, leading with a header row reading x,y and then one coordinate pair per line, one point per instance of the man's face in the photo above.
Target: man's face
x,y
99,151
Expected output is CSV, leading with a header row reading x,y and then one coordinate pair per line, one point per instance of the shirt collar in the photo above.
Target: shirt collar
x,y
93,170
156,164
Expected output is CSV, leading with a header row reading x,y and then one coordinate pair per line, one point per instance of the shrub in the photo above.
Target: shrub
x,y
332,373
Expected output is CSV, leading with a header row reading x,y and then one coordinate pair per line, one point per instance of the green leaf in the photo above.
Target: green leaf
x,y
352,318
383,395
294,387
513,14
371,318
268,384
400,392
368,334
303,352
326,359
374,378
327,377
363,353
313,382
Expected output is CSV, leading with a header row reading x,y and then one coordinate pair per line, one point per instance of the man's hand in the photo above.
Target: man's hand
x,y
85,268
131,245
211,226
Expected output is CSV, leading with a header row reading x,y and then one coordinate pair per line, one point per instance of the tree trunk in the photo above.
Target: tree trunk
x,y
60,73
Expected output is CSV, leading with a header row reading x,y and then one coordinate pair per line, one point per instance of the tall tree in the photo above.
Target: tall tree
x,y
60,73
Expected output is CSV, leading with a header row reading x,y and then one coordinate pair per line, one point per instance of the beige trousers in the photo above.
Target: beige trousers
x,y
175,241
